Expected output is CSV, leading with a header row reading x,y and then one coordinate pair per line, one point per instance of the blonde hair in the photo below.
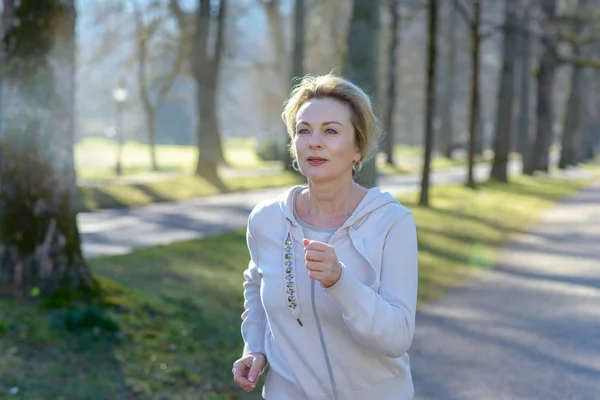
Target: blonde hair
x,y
366,125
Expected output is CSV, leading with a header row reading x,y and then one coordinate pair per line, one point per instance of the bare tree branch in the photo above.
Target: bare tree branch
x,y
463,11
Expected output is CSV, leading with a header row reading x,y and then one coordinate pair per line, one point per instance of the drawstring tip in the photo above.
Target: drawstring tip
x,y
300,322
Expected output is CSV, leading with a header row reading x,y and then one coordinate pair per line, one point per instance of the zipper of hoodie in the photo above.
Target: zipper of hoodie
x,y
321,336
322,339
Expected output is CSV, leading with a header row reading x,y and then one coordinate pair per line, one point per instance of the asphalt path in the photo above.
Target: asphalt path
x,y
120,231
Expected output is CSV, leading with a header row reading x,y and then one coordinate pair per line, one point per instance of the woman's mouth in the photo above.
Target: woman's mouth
x,y
315,161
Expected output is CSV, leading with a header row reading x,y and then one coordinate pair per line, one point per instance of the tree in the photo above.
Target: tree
x,y
297,69
430,99
549,63
145,32
503,136
572,140
447,105
205,67
525,75
40,245
475,40
393,7
362,63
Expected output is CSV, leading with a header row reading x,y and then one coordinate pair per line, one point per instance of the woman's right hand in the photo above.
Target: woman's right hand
x,y
247,369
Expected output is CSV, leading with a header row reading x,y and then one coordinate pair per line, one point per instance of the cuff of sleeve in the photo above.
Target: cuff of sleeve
x,y
253,349
344,291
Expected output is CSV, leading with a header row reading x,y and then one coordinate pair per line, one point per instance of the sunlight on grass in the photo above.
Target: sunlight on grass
x,y
95,158
173,189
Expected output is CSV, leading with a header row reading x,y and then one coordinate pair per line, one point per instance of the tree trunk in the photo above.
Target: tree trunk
x,y
525,46
449,86
430,99
545,99
545,114
475,38
571,148
571,136
276,83
388,143
362,63
206,73
503,135
297,68
149,110
40,246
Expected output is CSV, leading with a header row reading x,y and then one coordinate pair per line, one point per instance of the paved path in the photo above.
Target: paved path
x,y
110,232
530,328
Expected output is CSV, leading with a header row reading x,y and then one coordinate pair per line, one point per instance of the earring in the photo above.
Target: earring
x,y
357,166
295,165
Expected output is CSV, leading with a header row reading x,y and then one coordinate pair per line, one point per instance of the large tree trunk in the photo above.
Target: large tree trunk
x,y
388,142
430,99
39,240
362,63
475,39
503,136
545,98
206,69
525,47
297,67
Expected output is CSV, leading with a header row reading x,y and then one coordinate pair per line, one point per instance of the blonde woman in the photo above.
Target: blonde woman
x,y
331,288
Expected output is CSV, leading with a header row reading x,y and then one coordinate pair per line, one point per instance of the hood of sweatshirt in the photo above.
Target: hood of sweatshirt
x,y
373,200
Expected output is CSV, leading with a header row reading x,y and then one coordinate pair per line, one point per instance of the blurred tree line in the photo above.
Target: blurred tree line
x,y
470,75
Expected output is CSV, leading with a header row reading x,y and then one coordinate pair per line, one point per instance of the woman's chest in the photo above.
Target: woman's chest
x,y
285,281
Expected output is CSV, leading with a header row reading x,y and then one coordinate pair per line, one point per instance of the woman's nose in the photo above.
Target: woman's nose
x,y
315,140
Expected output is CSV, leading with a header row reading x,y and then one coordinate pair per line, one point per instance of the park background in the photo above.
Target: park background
x,y
112,109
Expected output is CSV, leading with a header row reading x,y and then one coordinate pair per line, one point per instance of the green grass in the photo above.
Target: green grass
x,y
182,187
180,312
95,158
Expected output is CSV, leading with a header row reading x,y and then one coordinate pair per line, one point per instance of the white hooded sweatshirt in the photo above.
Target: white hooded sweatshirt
x,y
348,341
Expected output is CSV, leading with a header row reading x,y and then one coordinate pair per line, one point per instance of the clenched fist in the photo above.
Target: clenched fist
x,y
321,262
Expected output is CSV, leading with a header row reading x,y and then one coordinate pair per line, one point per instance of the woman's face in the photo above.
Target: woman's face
x,y
325,140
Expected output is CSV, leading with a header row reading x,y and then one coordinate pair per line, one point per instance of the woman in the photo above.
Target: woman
x,y
331,288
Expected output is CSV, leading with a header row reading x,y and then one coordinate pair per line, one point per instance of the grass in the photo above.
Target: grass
x,y
180,305
182,187
95,158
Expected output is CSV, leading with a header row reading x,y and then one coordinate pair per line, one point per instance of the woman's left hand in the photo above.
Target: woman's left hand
x,y
321,262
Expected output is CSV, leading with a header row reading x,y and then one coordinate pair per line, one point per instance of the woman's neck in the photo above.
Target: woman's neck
x,y
329,204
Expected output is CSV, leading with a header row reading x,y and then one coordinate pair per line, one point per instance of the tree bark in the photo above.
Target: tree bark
x,y
362,64
475,39
430,99
40,245
570,153
388,143
545,97
525,47
503,134
449,86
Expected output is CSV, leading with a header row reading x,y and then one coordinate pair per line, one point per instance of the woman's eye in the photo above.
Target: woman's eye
x,y
331,131
302,131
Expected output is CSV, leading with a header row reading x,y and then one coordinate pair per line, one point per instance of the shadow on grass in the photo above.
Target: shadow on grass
x,y
99,196
43,360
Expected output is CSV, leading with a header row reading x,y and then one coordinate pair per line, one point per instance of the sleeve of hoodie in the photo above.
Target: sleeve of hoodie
x,y
254,320
384,321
